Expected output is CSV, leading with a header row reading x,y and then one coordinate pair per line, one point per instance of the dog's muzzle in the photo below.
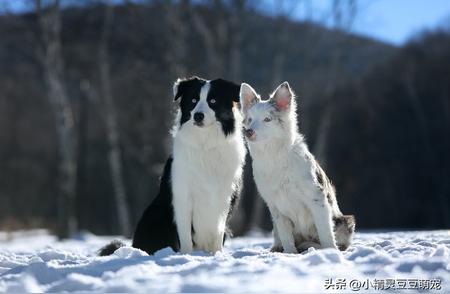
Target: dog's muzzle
x,y
198,118
249,133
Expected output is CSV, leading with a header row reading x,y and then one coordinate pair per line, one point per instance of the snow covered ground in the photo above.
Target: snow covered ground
x,y
36,262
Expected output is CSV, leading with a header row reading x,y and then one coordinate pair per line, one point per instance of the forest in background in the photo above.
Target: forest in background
x,y
86,108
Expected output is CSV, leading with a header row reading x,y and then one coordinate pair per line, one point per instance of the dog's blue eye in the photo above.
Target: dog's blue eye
x,y
212,101
194,100
267,119
249,120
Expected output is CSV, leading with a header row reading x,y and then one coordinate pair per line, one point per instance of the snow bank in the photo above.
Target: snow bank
x,y
37,262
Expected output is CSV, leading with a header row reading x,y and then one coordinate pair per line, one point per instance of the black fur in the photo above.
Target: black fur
x,y
233,204
224,92
188,89
156,228
329,199
110,248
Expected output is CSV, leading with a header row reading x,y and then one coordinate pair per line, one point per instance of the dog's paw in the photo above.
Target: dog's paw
x,y
304,246
276,248
186,250
343,247
292,250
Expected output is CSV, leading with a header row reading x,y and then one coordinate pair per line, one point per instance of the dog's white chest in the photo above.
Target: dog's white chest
x,y
204,180
284,182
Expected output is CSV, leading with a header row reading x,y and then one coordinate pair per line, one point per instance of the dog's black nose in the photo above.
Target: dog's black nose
x,y
249,133
199,116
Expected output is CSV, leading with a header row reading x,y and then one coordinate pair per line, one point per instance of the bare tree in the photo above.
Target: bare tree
x,y
214,37
424,130
283,10
51,58
176,55
112,127
222,38
343,14
236,36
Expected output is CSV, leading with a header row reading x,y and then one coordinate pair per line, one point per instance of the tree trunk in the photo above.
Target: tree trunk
x,y
112,129
322,135
177,38
82,152
281,38
343,15
212,37
236,39
50,55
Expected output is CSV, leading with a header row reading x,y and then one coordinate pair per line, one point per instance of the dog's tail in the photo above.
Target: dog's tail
x,y
110,248
349,222
344,228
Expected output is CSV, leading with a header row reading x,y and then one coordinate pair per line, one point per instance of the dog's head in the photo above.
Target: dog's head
x,y
206,104
274,118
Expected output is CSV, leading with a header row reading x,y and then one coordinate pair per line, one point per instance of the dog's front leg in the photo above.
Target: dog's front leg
x,y
183,219
322,216
285,230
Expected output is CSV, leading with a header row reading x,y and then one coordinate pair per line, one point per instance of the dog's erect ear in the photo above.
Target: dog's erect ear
x,y
180,85
248,97
282,96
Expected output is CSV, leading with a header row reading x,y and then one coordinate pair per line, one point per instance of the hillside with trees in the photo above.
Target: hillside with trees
x,y
86,108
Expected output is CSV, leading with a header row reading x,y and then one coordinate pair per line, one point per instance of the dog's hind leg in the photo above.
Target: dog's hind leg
x,y
304,246
276,247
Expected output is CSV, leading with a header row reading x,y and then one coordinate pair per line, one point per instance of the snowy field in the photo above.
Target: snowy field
x,y
36,262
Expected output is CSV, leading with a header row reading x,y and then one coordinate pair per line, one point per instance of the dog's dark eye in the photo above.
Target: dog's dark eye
x,y
267,119
194,100
212,101
249,120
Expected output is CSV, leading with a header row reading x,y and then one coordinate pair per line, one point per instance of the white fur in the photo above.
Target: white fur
x,y
283,171
207,166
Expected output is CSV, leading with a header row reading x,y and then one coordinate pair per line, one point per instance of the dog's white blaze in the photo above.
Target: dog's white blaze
x,y
206,168
204,91
203,106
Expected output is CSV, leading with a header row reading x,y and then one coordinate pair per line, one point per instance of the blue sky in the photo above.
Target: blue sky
x,y
396,21
392,21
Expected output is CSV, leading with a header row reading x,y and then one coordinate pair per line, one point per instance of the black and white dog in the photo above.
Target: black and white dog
x,y
200,182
